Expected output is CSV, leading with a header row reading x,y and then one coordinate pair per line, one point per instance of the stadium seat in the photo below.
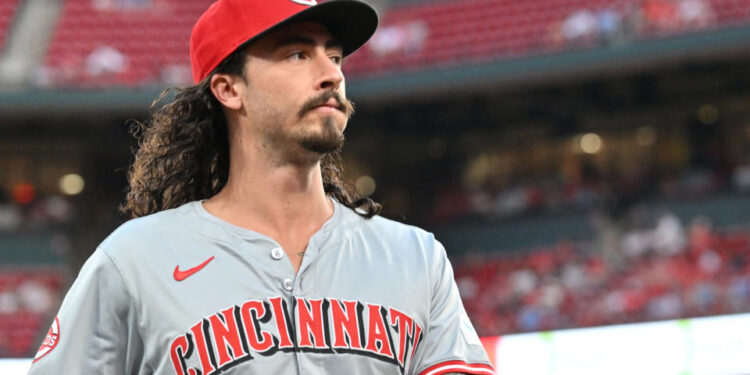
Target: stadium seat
x,y
600,296
20,328
8,10
152,37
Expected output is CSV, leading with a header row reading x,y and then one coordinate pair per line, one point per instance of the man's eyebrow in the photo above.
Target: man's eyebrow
x,y
334,43
283,42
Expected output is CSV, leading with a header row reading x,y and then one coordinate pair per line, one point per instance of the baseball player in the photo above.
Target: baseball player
x,y
248,255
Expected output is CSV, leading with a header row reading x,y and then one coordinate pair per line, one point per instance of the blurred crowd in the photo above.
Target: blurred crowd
x,y
29,293
28,298
109,61
613,194
650,272
623,21
23,210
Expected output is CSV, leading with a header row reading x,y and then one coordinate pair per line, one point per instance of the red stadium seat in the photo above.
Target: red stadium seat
x,y
7,12
21,329
606,296
461,31
147,38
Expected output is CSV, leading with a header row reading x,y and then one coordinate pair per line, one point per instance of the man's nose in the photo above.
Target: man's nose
x,y
330,74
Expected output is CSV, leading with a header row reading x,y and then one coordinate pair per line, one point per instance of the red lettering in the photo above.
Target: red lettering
x,y
345,323
227,337
376,332
49,340
281,322
310,322
404,324
179,352
201,344
226,333
252,312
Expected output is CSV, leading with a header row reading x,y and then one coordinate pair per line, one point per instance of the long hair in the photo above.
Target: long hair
x,y
183,153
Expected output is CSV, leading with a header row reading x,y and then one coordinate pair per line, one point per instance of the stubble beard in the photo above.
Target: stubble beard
x,y
310,138
305,143
328,140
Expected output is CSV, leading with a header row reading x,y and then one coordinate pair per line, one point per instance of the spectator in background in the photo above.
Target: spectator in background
x,y
563,287
738,293
592,27
666,306
50,211
176,74
10,214
581,27
696,14
36,297
661,15
8,300
106,60
104,5
670,16
610,25
404,39
668,235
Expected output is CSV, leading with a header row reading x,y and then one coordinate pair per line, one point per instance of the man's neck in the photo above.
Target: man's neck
x,y
273,200
283,201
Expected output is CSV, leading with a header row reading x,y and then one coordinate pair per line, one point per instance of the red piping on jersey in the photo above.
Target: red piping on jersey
x,y
460,367
182,275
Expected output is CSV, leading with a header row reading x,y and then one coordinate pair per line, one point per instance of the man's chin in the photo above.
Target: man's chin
x,y
322,145
328,139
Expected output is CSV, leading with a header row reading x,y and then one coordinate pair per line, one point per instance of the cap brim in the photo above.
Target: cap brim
x,y
351,22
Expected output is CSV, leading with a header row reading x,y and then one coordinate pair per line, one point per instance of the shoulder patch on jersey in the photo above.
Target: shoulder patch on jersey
x,y
50,341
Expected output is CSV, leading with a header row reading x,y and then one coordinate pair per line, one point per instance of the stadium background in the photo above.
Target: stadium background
x,y
585,162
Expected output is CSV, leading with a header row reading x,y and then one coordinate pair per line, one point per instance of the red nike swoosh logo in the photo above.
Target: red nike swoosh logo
x,y
182,275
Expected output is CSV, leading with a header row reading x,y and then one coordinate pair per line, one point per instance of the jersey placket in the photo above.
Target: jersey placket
x,y
280,278
298,292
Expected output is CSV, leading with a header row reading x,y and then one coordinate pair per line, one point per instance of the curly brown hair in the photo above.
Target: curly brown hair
x,y
183,153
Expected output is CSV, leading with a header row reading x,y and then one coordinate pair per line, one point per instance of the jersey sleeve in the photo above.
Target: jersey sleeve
x,y
95,331
450,344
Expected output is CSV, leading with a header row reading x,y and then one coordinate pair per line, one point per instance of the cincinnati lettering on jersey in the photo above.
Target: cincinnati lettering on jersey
x,y
235,334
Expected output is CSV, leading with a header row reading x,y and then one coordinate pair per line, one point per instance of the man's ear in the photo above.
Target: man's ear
x,y
225,88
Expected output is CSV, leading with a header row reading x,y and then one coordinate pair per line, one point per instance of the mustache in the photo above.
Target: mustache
x,y
343,104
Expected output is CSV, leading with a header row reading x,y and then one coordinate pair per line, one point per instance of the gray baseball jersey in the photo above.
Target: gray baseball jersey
x,y
183,292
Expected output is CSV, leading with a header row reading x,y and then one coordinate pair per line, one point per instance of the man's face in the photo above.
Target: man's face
x,y
295,96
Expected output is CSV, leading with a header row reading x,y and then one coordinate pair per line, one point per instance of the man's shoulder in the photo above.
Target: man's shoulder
x,y
393,227
154,228
395,236
384,227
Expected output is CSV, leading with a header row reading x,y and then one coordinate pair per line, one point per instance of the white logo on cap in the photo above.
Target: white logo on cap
x,y
305,2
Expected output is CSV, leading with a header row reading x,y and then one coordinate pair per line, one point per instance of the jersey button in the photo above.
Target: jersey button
x,y
277,253
287,284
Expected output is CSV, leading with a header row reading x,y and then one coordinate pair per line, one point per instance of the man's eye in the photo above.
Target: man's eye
x,y
297,56
336,59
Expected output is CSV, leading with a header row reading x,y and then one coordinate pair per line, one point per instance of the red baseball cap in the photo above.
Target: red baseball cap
x,y
227,24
